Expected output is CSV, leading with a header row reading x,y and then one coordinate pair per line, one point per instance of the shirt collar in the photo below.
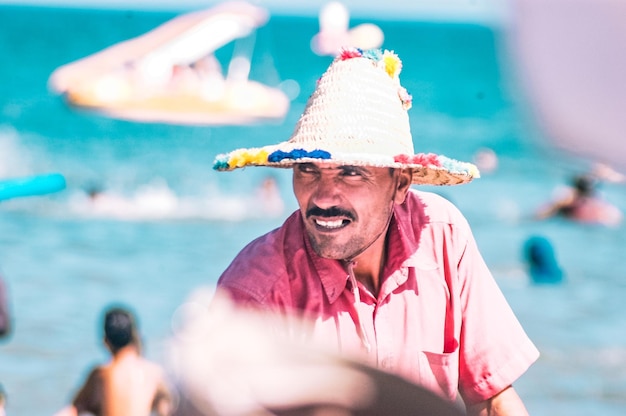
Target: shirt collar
x,y
331,272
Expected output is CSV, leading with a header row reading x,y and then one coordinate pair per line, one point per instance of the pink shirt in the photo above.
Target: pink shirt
x,y
439,320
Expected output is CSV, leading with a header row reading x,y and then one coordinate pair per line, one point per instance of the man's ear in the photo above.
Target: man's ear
x,y
405,179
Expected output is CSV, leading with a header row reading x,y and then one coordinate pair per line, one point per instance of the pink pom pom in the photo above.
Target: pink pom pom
x,y
349,53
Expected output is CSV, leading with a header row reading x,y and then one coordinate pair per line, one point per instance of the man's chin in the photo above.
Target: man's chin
x,y
336,252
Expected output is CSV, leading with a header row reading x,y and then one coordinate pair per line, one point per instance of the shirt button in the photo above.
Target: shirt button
x,y
385,363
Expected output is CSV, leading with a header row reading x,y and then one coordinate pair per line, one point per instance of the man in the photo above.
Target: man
x,y
381,272
129,384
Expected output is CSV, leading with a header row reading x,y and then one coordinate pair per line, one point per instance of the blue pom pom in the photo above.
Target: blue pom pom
x,y
295,154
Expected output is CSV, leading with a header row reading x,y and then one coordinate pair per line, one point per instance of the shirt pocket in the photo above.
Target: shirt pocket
x,y
439,372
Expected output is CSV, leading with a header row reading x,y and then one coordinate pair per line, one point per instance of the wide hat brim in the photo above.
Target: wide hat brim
x,y
428,168
357,116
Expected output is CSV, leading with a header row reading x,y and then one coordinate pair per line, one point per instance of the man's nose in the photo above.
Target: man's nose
x,y
326,193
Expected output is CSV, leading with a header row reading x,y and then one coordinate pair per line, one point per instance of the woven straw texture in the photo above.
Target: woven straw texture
x,y
355,109
357,117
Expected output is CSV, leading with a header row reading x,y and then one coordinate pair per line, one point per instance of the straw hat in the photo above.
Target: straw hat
x,y
357,115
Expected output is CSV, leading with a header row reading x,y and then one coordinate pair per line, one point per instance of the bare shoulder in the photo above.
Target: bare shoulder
x,y
153,368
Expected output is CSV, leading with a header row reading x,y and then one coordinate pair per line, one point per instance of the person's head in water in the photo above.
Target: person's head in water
x,y
541,261
93,190
120,329
584,185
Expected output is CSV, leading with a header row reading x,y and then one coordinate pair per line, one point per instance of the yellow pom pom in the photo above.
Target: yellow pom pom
x,y
237,158
244,157
393,65
259,158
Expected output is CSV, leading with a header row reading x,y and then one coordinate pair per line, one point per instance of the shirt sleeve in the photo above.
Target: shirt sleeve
x,y
495,349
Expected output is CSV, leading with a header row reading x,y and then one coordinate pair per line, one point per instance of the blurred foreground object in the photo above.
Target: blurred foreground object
x,y
334,34
170,74
229,362
570,57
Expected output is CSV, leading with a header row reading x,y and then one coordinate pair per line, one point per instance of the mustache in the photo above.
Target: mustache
x,y
330,212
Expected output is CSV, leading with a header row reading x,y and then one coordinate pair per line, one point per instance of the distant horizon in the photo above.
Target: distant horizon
x,y
471,11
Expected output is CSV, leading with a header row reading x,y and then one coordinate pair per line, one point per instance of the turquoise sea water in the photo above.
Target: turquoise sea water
x,y
63,263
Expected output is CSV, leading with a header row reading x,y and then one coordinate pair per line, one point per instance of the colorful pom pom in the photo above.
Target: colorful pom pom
x,y
221,162
387,61
373,54
295,154
393,64
349,53
406,98
423,159
456,166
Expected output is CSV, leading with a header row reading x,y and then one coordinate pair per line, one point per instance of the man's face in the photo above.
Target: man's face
x,y
346,208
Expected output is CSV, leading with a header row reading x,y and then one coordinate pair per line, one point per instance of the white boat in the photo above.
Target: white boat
x,y
170,74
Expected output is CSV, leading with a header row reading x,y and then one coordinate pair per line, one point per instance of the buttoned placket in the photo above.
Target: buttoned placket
x,y
383,322
375,320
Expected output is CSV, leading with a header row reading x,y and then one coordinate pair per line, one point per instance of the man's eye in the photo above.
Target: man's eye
x,y
304,168
351,172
